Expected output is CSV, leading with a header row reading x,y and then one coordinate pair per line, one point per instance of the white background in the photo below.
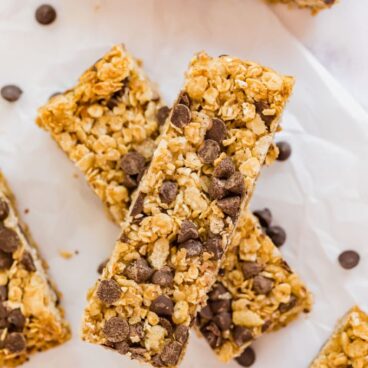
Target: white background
x,y
319,196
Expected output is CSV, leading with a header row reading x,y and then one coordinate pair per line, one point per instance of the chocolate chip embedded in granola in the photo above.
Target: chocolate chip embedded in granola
x,y
181,334
216,188
138,205
188,230
262,285
4,210
224,169
168,191
223,320
27,262
212,334
132,163
171,353
162,114
9,240
138,270
214,245
163,277
6,260
108,291
116,329
180,115
230,205
16,319
241,335
209,151
217,132
235,184
250,269
193,247
15,342
162,306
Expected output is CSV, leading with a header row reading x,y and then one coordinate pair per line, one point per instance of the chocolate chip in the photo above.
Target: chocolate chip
x,y
264,217
9,240
109,291
132,163
3,293
277,235
193,247
220,306
130,181
168,191
263,105
229,206
181,115
212,334
163,277
11,93
235,184
3,311
162,114
209,151
284,151
162,306
17,319
102,265
136,332
116,329
188,230
6,260
27,262
138,205
206,312
171,353
137,352
224,169
214,246
241,335
223,320
15,342
4,210
184,99
217,292
156,361
250,269
216,188
181,334
349,259
262,285
138,270
247,357
45,14
285,307
166,324
121,347
218,131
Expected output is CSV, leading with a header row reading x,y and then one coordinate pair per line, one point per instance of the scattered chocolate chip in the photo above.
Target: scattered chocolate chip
x,y
109,291
181,115
349,259
162,306
4,210
250,269
264,217
209,151
262,285
218,131
188,230
285,307
212,334
217,292
163,277
242,335
162,114
6,260
166,324
224,169
3,293
11,93
221,305
168,191
136,332
138,270
284,150
235,184
9,240
247,358
121,347
171,353
27,262
138,205
229,206
184,99
181,334
132,163
130,181
116,329
214,246
102,265
15,342
193,247
45,14
206,312
216,188
223,320
277,235
17,319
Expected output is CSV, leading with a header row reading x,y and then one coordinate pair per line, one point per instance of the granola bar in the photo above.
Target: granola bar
x,y
31,319
107,125
348,345
201,176
256,291
314,5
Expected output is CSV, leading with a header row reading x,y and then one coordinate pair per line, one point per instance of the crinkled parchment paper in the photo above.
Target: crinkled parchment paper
x,y
320,195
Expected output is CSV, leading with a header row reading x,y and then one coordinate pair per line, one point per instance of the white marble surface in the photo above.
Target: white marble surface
x,y
338,39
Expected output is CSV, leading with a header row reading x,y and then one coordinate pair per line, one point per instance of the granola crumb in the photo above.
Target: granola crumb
x,y
66,254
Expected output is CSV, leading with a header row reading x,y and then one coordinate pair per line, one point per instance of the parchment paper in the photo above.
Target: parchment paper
x,y
319,196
